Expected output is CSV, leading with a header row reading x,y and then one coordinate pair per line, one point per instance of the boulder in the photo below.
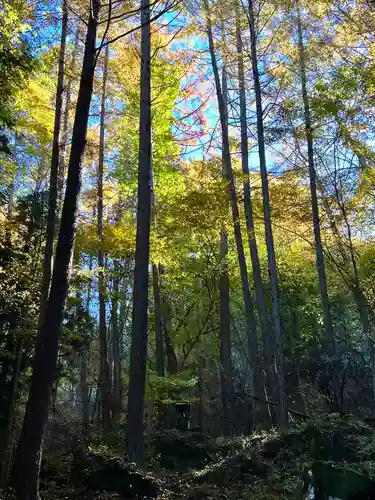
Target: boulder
x,y
327,480
181,450
100,473
321,443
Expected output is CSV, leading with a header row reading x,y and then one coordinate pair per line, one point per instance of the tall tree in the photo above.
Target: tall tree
x,y
54,173
268,340
25,473
65,125
271,257
228,176
104,378
226,371
320,264
138,356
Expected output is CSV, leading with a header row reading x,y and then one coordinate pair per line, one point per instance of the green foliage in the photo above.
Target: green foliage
x,y
172,389
15,59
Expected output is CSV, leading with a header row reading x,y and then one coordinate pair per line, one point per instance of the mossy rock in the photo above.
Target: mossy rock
x,y
206,492
234,469
329,480
180,450
321,443
111,474
54,470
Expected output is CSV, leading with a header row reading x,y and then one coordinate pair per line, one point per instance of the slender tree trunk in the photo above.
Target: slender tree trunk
x,y
226,376
116,338
364,310
24,478
172,363
6,388
53,180
159,341
9,432
8,234
104,366
11,343
84,390
138,357
55,387
268,340
84,355
159,344
272,266
320,264
65,127
201,393
228,175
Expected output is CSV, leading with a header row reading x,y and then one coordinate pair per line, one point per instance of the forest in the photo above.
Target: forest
x,y
187,249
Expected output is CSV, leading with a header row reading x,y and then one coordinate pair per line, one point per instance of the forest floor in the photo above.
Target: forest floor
x,y
192,466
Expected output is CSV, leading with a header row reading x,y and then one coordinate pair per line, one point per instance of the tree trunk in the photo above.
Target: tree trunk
x,y
272,266
138,357
228,176
53,180
159,344
9,432
8,234
84,360
24,478
104,379
172,363
55,387
65,127
320,264
201,389
84,390
226,377
268,340
116,339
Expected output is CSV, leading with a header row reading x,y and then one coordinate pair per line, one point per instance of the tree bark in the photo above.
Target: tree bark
x,y
228,176
53,180
104,379
272,266
320,264
226,376
24,477
138,357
